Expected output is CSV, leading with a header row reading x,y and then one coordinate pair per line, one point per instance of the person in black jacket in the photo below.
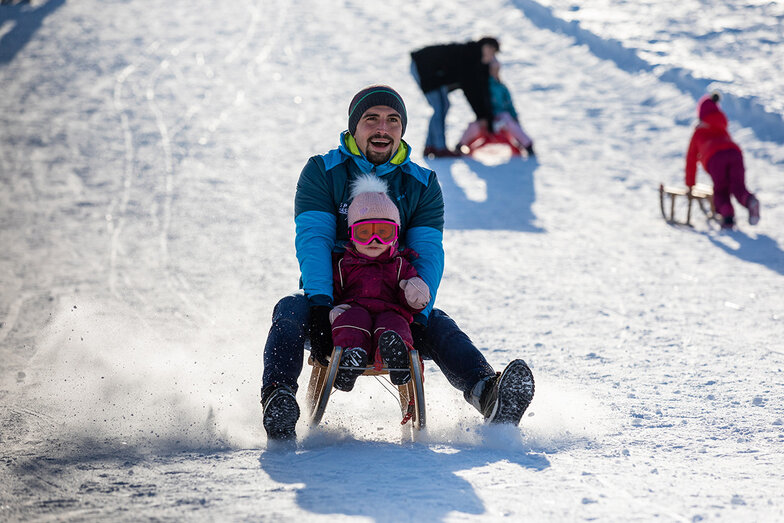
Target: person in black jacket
x,y
439,69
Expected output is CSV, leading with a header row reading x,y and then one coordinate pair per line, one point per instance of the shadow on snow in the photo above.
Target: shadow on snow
x,y
746,110
762,250
26,22
388,481
492,197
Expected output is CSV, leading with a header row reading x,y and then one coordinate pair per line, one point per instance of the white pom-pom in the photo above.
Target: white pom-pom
x,y
368,183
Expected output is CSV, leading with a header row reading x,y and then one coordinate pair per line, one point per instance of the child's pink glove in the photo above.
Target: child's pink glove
x,y
416,292
337,311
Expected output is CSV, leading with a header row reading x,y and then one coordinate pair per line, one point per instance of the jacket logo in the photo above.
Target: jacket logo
x,y
343,209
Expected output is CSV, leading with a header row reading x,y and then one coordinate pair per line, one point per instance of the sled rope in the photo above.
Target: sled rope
x,y
384,383
409,409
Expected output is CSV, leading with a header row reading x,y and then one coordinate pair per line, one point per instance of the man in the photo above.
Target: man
x,y
439,69
373,144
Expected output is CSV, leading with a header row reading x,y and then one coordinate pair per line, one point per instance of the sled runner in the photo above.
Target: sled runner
x,y
501,137
412,394
702,193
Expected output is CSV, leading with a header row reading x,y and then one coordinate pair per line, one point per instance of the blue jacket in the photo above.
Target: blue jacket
x,y
321,205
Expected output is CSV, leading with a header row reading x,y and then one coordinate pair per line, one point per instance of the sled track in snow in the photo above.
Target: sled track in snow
x,y
115,219
746,110
278,29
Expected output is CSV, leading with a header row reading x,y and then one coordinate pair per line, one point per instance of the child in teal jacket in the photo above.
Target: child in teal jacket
x,y
506,120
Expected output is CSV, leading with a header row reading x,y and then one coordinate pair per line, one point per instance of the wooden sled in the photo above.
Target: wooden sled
x,y
486,138
703,194
412,394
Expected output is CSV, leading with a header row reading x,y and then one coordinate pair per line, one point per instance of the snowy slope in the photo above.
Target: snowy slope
x,y
148,159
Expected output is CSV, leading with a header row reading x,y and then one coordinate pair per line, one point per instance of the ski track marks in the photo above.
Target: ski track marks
x,y
138,85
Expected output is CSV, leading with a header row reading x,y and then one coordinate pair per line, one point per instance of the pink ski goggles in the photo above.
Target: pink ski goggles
x,y
365,232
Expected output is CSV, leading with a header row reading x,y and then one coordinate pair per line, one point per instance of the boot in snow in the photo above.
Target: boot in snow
x,y
754,210
281,412
503,398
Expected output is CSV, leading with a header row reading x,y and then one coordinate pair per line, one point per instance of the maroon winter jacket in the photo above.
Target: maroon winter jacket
x,y
710,136
373,283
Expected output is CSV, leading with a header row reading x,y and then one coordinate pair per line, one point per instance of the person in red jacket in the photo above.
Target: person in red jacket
x,y
376,288
712,145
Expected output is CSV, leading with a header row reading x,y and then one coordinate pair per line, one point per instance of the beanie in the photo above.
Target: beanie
x,y
371,96
370,201
708,104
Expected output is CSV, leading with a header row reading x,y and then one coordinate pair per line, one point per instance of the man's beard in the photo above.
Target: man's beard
x,y
379,158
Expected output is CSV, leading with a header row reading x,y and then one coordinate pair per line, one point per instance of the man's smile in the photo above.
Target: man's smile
x,y
380,142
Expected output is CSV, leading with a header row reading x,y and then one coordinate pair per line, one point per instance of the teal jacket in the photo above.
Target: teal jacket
x,y
501,99
321,206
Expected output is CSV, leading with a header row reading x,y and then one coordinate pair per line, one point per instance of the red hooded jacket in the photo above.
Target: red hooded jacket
x,y
373,283
710,136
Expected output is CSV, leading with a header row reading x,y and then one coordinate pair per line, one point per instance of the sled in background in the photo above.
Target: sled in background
x,y
412,394
502,137
680,197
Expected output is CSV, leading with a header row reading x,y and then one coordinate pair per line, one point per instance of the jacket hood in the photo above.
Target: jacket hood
x,y
706,106
709,112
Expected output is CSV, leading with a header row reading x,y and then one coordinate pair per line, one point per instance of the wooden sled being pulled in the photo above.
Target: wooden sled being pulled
x,y
703,194
412,394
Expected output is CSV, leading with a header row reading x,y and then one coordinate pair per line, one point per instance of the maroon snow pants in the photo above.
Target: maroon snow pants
x,y
357,327
729,178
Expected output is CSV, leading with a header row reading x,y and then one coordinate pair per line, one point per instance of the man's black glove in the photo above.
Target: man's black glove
x,y
320,331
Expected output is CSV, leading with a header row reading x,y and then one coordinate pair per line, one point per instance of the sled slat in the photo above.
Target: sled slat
x,y
699,192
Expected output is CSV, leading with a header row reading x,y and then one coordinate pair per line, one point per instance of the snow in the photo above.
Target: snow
x,y
148,160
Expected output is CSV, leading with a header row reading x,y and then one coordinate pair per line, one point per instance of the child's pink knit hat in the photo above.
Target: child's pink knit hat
x,y
370,201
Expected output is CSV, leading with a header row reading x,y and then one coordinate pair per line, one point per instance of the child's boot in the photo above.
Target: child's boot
x,y
395,354
356,359
754,210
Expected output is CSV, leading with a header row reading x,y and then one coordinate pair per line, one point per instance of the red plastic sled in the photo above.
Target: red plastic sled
x,y
501,137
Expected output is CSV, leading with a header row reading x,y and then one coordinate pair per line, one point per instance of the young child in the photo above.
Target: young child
x,y
506,119
722,159
376,288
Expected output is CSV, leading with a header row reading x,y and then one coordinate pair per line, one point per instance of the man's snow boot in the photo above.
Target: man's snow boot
x,y
504,397
281,412
345,378
395,354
